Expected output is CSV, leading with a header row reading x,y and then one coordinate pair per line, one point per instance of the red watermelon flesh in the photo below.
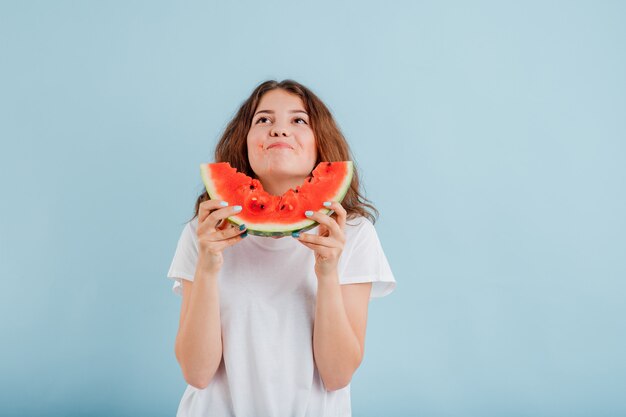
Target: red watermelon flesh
x,y
269,215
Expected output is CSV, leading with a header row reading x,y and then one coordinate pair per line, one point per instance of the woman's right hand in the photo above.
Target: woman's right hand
x,y
215,233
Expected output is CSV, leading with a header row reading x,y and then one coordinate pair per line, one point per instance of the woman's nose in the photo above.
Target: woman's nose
x,y
279,131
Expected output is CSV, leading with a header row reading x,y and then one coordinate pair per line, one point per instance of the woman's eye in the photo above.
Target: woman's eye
x,y
261,120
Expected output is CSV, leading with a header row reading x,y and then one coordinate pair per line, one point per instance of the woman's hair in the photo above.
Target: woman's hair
x,y
329,141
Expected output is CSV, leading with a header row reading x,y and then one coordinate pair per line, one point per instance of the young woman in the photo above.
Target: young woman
x,y
276,326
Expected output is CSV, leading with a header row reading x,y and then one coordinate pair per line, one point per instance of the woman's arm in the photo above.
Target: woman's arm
x,y
199,339
339,329
340,310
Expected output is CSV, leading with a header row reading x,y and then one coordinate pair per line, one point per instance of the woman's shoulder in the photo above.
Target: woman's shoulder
x,y
193,224
189,230
357,225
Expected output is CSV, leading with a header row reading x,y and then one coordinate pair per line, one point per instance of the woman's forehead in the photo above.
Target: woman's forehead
x,y
278,100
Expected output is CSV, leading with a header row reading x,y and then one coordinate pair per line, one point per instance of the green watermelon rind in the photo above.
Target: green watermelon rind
x,y
267,229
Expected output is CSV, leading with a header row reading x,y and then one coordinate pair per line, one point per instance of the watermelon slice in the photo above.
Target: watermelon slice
x,y
268,215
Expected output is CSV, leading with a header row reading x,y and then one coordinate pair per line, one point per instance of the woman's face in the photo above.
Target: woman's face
x,y
281,144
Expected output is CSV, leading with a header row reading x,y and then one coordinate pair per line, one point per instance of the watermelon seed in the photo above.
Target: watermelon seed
x,y
253,199
252,187
262,206
296,190
329,164
282,207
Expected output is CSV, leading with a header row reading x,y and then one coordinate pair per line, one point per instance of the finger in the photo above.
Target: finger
x,y
207,206
225,224
229,242
322,251
327,221
322,241
226,234
340,212
222,213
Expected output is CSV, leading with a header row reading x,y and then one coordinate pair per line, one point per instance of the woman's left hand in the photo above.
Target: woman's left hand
x,y
329,242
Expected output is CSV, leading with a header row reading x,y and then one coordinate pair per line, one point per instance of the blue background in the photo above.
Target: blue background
x,y
490,135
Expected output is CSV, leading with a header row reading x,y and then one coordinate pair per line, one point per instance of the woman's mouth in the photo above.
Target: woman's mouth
x,y
279,145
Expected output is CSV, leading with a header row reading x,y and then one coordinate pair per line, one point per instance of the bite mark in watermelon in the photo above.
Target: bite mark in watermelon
x,y
269,215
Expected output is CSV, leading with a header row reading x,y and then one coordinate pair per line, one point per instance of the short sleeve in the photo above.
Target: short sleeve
x,y
364,260
183,265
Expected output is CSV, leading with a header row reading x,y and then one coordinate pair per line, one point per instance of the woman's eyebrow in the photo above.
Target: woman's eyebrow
x,y
272,112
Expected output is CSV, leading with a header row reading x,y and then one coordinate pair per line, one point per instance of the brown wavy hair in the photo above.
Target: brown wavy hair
x,y
330,143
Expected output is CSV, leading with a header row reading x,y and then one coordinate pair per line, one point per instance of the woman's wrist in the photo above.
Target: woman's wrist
x,y
328,277
208,267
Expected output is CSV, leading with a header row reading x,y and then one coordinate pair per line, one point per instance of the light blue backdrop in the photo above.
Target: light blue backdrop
x,y
490,135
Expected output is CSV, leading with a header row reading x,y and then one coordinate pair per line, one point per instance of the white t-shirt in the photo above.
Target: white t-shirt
x,y
267,304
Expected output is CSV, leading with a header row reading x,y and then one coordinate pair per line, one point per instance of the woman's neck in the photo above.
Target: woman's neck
x,y
279,186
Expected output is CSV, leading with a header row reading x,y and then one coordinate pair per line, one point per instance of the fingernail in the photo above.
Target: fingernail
x,y
295,234
223,203
242,226
244,234
237,209
308,213
326,203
